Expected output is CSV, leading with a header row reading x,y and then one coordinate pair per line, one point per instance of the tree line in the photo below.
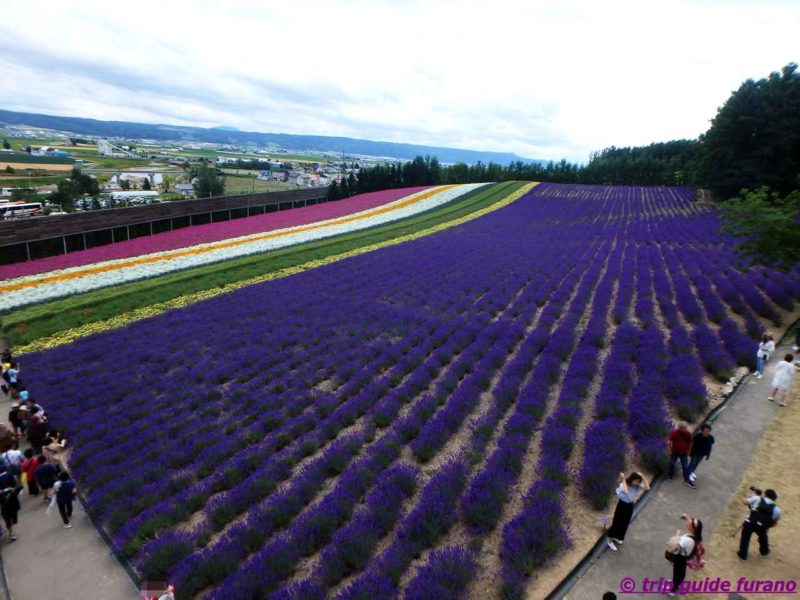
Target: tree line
x,y
749,159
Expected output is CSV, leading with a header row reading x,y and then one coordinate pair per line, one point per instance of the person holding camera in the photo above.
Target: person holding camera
x,y
628,492
764,514
681,548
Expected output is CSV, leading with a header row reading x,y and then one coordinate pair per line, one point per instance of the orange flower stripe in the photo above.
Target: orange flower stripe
x,y
230,244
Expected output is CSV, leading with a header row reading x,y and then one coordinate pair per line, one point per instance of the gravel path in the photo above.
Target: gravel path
x,y
737,430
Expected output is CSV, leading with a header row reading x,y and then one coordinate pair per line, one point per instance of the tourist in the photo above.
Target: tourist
x,y
9,500
764,514
32,404
29,472
37,430
678,445
765,348
628,491
11,376
701,448
12,459
784,376
65,494
681,548
46,474
15,419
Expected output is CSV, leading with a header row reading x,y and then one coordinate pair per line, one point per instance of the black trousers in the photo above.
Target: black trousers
x,y
622,518
678,572
65,508
748,529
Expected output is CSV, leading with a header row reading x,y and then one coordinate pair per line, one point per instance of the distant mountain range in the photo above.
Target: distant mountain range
x,y
230,135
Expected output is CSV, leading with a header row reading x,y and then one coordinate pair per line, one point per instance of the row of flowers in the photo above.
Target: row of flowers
x,y
209,232
70,335
28,290
474,352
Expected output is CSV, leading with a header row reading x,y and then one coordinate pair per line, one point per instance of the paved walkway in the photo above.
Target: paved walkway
x,y
50,562
737,431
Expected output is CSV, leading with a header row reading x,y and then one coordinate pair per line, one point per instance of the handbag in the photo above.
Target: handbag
x,y
698,560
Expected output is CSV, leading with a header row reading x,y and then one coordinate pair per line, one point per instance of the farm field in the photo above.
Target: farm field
x,y
236,184
50,323
423,420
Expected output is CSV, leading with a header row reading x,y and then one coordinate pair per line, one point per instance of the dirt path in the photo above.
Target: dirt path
x,y
738,430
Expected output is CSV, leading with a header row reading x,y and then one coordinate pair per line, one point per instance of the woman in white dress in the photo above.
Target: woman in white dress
x,y
784,376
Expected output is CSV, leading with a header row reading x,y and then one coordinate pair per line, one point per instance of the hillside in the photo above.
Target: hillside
x,y
227,135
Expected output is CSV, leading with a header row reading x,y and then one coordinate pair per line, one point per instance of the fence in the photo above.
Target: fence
x,y
39,237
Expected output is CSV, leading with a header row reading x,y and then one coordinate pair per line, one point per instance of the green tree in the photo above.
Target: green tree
x,y
24,195
765,225
167,182
208,183
10,170
67,191
124,184
6,145
146,184
755,138
344,188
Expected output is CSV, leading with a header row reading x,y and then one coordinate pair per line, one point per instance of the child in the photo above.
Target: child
x,y
29,469
65,493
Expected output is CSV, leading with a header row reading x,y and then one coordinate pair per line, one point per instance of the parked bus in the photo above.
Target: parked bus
x,y
16,210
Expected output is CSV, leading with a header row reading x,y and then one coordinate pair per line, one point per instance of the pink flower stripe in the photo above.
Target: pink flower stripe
x,y
211,232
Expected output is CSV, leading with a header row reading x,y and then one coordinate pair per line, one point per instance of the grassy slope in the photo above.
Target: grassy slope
x,y
28,324
776,464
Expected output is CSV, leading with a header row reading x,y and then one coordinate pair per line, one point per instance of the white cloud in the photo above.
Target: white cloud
x,y
525,76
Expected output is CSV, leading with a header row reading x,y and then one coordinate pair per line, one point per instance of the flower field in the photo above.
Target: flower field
x,y
407,422
208,233
31,289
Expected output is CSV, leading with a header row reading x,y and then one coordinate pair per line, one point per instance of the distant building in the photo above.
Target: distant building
x,y
186,189
104,148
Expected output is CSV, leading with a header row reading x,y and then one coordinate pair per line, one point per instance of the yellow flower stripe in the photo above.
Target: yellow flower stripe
x,y
70,335
148,259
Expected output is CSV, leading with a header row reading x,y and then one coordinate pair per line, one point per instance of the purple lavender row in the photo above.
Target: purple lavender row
x,y
425,524
261,574
523,547
462,337
482,504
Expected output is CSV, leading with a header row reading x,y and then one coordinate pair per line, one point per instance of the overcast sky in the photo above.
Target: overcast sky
x,y
542,79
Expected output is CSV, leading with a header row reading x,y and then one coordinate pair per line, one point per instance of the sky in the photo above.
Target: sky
x,y
543,79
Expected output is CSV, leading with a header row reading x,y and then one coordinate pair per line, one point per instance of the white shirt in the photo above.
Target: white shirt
x,y
13,457
766,348
687,544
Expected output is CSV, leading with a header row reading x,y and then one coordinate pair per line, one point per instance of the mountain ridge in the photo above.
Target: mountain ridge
x,y
226,135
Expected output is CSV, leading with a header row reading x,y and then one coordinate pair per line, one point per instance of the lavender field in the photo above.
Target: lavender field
x,y
408,422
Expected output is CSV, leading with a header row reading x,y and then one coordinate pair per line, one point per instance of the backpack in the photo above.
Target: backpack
x,y
763,514
674,549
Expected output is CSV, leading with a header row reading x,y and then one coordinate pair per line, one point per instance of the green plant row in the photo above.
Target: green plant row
x,y
25,325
